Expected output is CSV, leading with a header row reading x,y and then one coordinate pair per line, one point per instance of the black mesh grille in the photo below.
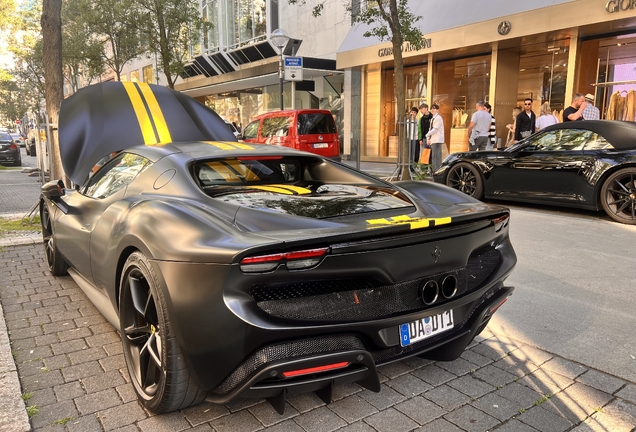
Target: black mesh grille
x,y
359,300
288,351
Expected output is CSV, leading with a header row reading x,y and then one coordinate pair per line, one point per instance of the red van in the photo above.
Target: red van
x,y
310,130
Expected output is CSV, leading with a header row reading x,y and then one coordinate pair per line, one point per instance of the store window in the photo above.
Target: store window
x,y
134,76
148,74
460,83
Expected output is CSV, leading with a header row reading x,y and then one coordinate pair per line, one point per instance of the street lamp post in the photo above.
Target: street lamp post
x,y
279,39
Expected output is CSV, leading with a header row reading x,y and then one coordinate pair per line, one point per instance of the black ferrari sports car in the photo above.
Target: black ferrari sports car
x,y
254,270
587,164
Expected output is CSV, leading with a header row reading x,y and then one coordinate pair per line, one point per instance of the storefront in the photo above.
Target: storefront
x,y
546,51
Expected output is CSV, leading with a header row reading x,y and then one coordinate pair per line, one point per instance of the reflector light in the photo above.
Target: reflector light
x,y
492,310
501,222
316,369
294,260
13,146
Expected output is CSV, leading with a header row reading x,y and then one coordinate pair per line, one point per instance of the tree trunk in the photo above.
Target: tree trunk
x,y
53,78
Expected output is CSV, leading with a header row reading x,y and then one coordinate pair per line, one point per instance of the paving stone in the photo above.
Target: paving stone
x,y
121,415
49,414
497,406
446,397
47,339
101,339
628,393
267,415
564,367
416,362
74,333
476,358
352,408
102,381
42,397
99,401
114,348
492,349
434,375
532,354
202,413
601,381
114,362
244,403
458,367
24,333
66,316
41,381
546,381
305,402
68,347
408,385
515,366
386,398
619,416
90,321
544,420
320,420
87,423
439,425
80,371
471,386
87,355
420,410
515,425
394,369
32,367
471,419
104,327
587,397
390,420
341,391
58,326
69,391
286,426
171,422
522,395
494,376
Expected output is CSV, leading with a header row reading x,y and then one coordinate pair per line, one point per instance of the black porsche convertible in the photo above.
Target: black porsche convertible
x,y
254,270
586,164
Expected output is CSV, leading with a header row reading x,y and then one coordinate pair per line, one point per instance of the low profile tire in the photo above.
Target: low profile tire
x,y
466,178
57,265
618,196
155,364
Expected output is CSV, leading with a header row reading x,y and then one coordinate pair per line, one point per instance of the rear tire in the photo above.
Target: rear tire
x,y
155,363
618,196
57,265
466,178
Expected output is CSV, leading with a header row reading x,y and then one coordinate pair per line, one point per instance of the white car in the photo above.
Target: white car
x,y
19,139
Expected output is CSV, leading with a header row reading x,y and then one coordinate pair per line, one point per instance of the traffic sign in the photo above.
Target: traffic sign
x,y
293,68
17,122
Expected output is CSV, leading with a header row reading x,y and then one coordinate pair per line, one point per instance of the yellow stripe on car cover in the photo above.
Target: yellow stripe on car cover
x,y
221,145
145,124
273,189
297,189
413,222
155,111
243,146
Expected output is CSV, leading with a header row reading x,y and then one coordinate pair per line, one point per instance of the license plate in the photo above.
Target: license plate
x,y
321,145
424,328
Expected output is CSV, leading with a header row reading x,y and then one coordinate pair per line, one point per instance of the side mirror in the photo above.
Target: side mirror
x,y
53,190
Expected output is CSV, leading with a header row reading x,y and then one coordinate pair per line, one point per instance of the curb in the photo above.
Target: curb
x,y
19,241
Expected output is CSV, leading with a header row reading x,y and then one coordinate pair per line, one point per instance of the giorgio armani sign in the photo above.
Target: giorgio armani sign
x,y
620,5
406,47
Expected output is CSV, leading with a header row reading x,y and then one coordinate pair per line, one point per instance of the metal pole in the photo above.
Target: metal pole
x,y
293,94
280,77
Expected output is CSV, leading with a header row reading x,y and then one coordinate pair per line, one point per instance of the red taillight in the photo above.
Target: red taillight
x,y
293,260
316,369
501,222
13,146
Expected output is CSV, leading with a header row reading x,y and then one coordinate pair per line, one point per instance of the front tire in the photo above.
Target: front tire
x,y
618,196
466,178
57,265
155,363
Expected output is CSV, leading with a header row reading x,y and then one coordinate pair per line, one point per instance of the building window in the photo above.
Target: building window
x,y
134,76
148,74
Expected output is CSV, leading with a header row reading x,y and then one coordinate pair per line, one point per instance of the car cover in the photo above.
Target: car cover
x,y
108,117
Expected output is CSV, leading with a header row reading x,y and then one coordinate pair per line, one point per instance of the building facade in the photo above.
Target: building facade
x,y
494,50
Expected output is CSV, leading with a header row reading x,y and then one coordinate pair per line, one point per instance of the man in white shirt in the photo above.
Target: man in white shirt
x,y
590,112
479,127
435,137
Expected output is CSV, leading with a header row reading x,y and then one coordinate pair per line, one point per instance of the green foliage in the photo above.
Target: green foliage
x,y
20,225
32,410
63,421
542,399
27,396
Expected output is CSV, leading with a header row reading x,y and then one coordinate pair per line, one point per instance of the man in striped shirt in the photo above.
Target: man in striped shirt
x,y
492,134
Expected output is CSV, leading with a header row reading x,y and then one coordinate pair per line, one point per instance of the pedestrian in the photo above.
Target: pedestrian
x,y
479,128
575,111
526,121
412,127
591,112
493,128
424,126
546,118
435,137
510,139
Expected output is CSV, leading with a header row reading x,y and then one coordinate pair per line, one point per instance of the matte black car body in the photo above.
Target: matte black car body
x,y
9,151
589,165
389,255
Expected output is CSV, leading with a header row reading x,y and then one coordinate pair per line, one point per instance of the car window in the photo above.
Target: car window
x,y
115,175
5,137
559,140
275,127
315,124
251,130
597,142
222,172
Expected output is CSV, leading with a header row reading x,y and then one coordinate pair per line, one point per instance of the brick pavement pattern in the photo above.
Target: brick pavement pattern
x,y
71,366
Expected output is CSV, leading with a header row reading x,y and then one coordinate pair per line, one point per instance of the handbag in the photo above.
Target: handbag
x,y
425,156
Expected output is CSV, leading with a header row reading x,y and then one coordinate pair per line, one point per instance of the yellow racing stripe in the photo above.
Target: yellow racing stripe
x,y
145,124
297,189
155,111
273,189
221,145
414,223
243,146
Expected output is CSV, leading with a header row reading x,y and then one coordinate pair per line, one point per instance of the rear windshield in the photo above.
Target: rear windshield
x,y
4,137
316,124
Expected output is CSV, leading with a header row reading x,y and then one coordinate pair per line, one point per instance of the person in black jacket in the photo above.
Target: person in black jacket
x,y
424,125
526,121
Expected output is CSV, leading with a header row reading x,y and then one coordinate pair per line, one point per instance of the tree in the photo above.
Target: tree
x,y
169,27
388,20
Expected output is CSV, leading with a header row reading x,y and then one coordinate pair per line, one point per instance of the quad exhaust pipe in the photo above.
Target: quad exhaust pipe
x,y
430,290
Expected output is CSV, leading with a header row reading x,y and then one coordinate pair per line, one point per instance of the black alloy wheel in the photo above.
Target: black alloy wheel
x,y
57,265
618,196
156,367
465,178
